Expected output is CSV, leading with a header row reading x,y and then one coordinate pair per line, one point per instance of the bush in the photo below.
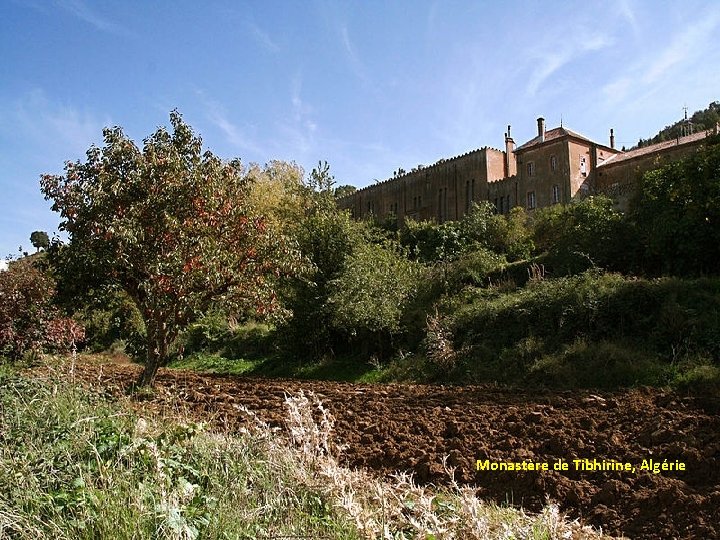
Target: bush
x,y
110,316
29,322
667,319
217,333
481,228
368,298
677,213
586,234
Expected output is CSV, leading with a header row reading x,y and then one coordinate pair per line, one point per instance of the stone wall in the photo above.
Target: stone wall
x,y
443,191
617,178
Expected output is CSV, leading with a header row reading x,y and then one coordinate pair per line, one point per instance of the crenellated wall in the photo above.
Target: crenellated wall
x,y
442,191
557,166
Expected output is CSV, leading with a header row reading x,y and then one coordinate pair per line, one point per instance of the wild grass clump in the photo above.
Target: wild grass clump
x,y
593,329
73,465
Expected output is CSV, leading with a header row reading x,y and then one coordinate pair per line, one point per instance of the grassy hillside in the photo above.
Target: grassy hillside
x,y
593,329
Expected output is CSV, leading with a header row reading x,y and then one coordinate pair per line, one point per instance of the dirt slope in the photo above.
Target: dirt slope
x,y
413,427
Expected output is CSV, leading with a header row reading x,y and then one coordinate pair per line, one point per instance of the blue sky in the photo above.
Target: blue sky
x,y
368,86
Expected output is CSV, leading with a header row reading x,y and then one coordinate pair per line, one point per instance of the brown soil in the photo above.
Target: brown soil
x,y
390,428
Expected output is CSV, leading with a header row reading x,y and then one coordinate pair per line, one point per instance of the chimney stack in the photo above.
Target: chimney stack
x,y
510,163
612,138
541,128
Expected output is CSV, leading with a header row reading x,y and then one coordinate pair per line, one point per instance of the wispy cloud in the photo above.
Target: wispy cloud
x,y
61,128
83,12
234,134
356,63
550,60
262,37
684,53
691,41
626,12
299,131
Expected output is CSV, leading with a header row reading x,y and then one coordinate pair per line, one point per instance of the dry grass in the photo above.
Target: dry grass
x,y
402,509
75,465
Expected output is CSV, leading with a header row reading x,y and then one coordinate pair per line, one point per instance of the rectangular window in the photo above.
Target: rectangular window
x,y
530,169
555,194
531,200
583,166
553,163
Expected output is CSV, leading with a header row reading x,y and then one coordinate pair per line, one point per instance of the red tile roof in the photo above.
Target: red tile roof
x,y
624,156
552,134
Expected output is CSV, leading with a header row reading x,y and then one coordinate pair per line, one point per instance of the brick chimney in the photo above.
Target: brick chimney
x,y
541,128
612,138
510,163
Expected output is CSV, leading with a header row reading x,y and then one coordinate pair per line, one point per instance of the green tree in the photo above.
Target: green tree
x,y
677,214
371,293
344,191
326,236
168,224
583,234
40,239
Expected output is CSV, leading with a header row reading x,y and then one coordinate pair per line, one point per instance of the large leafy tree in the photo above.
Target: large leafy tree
x,y
170,225
677,213
40,239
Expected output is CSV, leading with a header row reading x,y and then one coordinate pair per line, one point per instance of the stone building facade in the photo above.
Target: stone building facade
x,y
557,166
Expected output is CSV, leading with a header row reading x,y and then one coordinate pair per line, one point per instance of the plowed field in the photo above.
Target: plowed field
x,y
389,428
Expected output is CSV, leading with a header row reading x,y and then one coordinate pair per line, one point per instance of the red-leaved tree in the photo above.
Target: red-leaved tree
x,y
28,319
170,225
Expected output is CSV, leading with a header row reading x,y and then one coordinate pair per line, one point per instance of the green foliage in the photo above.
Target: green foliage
x,y
326,236
473,268
507,334
515,237
481,228
110,316
217,333
170,225
40,240
344,191
583,234
372,291
429,242
677,214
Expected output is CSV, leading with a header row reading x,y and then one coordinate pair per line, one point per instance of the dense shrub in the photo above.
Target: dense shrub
x,y
584,234
110,317
669,319
429,242
481,228
369,296
677,213
218,333
28,319
326,237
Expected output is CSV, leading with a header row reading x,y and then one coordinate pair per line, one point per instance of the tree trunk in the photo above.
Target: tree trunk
x,y
147,378
157,350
